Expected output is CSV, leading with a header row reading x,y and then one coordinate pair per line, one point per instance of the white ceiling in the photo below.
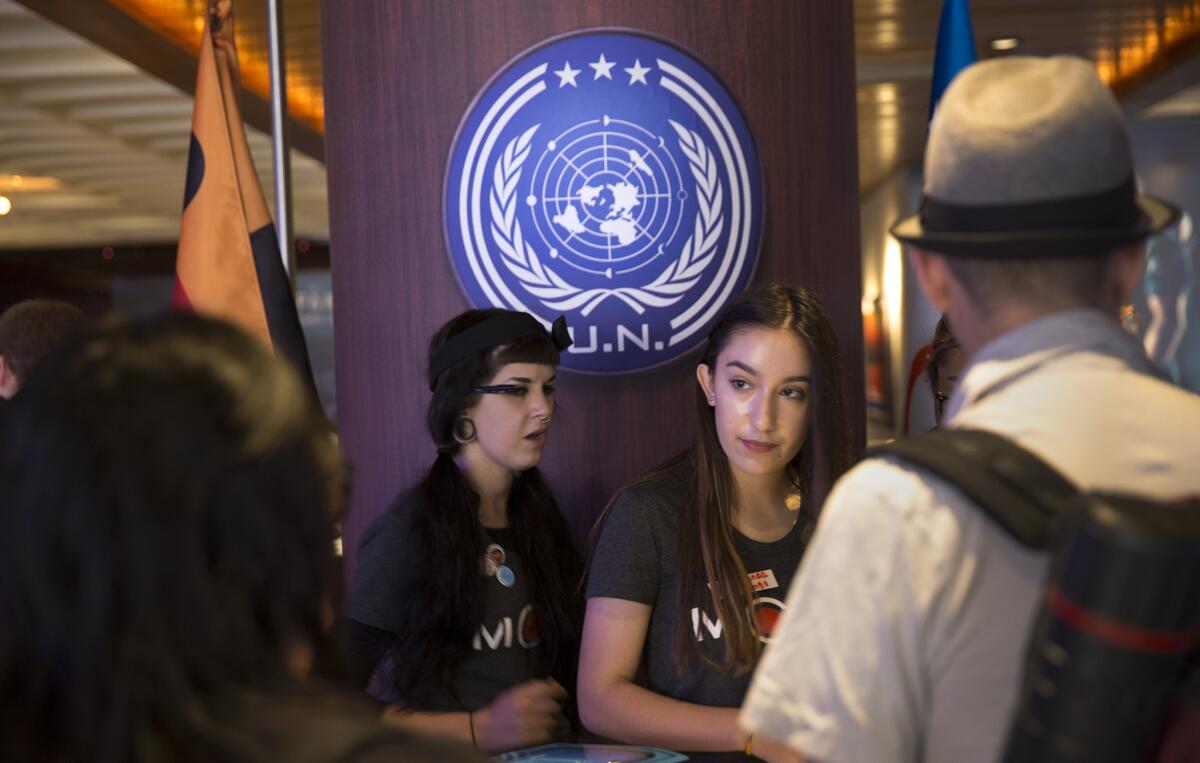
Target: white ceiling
x,y
115,139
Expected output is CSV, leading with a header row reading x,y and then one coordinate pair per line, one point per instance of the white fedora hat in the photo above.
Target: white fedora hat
x,y
1029,157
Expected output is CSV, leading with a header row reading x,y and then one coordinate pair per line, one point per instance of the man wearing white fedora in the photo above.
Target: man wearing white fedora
x,y
906,628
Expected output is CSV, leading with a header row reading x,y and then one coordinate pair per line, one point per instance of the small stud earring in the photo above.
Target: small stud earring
x,y
712,400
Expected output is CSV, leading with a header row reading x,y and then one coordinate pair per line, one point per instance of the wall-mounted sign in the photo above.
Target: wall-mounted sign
x,y
609,177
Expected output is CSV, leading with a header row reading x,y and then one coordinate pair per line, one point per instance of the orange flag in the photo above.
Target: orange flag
x,y
228,263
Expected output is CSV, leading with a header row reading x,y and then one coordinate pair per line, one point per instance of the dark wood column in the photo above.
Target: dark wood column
x,y
399,76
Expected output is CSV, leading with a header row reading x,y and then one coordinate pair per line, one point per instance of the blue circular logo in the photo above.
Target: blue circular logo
x,y
609,177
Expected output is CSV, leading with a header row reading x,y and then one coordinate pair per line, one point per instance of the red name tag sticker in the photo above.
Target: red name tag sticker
x,y
763,580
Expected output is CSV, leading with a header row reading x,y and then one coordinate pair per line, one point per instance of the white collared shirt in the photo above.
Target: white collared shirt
x,y
906,627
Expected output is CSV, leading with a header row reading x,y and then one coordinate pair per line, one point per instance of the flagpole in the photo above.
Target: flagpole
x,y
279,143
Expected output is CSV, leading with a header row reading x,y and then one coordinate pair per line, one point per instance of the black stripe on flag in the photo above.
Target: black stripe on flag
x,y
195,171
283,321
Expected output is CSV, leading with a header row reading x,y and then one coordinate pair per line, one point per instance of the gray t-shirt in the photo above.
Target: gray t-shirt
x,y
635,560
506,644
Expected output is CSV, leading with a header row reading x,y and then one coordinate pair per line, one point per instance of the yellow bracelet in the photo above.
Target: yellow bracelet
x,y
749,743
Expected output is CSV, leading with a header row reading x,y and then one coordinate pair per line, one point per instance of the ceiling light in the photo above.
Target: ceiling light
x,y
1004,43
28,183
5,206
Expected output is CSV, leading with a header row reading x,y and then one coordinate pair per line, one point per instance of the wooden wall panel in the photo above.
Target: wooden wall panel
x,y
399,76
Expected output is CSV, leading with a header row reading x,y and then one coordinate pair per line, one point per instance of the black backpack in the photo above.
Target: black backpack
x,y
1111,671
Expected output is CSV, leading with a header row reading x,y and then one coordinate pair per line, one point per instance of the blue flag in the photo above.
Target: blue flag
x,y
955,48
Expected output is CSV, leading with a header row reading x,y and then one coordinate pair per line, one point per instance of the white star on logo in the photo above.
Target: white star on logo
x,y
602,68
566,75
637,72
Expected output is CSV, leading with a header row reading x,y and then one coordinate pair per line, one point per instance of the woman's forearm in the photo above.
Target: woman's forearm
x,y
624,711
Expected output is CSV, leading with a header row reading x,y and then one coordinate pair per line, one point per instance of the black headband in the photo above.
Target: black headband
x,y
494,332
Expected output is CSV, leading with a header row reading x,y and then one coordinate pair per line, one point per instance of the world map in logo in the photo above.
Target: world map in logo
x,y
607,194
608,177
611,204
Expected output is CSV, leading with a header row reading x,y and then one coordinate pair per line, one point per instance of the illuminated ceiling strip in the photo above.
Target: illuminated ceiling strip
x,y
182,22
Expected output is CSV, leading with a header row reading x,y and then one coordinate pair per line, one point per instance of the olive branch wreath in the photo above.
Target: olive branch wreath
x,y
668,288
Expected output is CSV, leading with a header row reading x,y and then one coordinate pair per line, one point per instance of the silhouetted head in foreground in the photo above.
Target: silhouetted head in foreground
x,y
168,522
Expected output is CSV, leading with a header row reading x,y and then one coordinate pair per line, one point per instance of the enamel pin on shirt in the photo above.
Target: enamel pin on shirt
x,y
493,564
506,576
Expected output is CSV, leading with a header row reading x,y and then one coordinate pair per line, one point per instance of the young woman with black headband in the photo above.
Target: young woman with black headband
x,y
463,609
693,561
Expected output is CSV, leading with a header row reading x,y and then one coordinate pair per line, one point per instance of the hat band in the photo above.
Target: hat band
x,y
1114,208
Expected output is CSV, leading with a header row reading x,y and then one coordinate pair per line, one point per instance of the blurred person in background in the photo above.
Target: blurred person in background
x,y
1168,286
946,362
170,496
28,330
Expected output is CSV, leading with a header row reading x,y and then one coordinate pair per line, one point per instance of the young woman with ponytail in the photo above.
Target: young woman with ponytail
x,y
693,560
463,609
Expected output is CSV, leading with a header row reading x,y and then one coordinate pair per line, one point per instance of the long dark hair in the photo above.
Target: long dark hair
x,y
169,490
441,609
709,565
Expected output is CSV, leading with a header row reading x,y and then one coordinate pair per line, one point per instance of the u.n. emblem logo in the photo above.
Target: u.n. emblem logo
x,y
610,177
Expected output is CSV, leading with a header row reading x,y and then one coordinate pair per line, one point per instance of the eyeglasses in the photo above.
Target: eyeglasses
x,y
518,390
498,389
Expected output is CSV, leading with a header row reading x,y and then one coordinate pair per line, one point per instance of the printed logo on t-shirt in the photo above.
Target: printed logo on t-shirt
x,y
767,612
527,634
763,580
529,627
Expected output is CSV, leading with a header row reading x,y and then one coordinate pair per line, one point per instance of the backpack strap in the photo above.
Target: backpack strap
x,y
1023,494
